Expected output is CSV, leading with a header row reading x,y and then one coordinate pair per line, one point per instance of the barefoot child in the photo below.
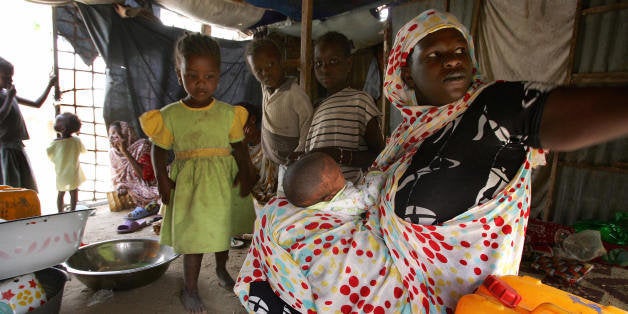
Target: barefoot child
x,y
64,153
206,195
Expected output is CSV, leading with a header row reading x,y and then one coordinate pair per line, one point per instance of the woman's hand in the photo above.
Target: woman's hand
x,y
121,147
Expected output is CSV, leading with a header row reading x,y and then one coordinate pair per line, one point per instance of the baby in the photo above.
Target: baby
x,y
316,181
64,153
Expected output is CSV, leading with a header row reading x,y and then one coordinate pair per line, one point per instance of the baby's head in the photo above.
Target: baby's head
x,y
66,124
314,178
266,62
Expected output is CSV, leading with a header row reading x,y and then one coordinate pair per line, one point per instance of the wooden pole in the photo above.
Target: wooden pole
x,y
385,104
55,54
306,45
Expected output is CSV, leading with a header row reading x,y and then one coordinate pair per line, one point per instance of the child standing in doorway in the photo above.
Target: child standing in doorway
x,y
64,153
206,194
15,170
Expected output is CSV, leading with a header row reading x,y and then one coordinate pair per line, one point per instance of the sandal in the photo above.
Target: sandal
x,y
141,212
131,226
137,213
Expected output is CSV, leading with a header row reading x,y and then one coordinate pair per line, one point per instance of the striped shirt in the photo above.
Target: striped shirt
x,y
340,121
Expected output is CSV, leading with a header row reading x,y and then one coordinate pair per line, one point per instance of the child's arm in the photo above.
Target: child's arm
x,y
246,176
575,117
165,185
40,101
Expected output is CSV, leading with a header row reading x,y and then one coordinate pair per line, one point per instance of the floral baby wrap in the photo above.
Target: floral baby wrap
x,y
321,262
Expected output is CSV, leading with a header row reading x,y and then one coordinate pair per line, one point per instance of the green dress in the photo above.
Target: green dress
x,y
205,208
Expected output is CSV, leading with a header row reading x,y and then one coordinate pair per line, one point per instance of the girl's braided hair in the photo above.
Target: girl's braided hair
x,y
195,44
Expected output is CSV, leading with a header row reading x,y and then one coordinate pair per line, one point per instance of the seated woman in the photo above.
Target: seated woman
x,y
456,198
132,170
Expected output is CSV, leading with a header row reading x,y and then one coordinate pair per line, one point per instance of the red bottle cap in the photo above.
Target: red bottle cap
x,y
502,291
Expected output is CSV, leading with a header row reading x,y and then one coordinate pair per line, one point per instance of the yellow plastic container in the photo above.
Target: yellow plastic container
x,y
16,203
523,294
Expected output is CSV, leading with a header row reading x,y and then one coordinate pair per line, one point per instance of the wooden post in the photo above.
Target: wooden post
x,y
384,103
55,54
306,45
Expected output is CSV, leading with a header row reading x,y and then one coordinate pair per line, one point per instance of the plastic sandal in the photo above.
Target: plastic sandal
x,y
131,226
137,213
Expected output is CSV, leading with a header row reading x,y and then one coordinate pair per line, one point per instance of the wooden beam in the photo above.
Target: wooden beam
x,y
475,22
599,77
384,103
573,45
605,8
306,45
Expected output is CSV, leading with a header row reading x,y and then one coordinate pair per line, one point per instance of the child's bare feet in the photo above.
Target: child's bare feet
x,y
224,279
192,302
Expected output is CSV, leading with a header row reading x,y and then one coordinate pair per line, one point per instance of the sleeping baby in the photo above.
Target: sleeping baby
x,y
316,181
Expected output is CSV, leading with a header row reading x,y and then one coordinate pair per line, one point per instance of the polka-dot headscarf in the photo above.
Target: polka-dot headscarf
x,y
408,36
421,121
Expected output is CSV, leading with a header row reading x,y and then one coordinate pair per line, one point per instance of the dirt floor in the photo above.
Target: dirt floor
x,y
606,287
161,296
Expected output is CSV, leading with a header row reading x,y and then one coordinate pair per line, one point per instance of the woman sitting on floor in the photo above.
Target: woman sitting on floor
x,y
132,170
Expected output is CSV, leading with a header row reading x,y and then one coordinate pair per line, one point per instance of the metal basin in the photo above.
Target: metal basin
x,y
120,264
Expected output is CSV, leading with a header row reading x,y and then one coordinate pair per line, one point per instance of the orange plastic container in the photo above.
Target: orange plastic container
x,y
16,203
523,294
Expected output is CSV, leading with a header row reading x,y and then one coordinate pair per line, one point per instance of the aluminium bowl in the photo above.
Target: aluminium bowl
x,y
120,264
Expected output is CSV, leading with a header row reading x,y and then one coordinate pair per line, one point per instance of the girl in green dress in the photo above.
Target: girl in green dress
x,y
206,195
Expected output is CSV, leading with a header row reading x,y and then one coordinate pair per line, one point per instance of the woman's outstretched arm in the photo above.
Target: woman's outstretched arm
x,y
576,117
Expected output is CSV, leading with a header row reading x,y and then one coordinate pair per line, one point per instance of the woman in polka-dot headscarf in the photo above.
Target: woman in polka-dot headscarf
x,y
456,200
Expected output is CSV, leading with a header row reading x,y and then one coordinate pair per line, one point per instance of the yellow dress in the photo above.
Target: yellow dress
x,y
205,208
64,154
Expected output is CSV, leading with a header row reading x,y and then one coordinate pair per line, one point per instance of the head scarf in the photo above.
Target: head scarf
x,y
421,121
406,39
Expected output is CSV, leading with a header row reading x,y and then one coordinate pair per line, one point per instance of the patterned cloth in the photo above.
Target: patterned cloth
x,y
205,208
143,190
340,121
335,263
64,154
355,200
